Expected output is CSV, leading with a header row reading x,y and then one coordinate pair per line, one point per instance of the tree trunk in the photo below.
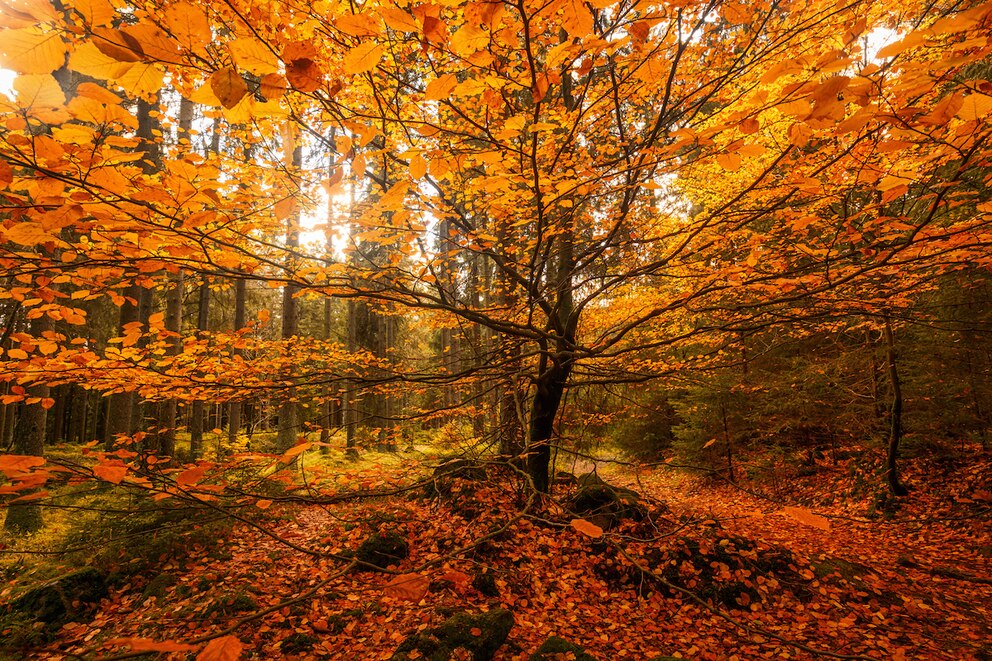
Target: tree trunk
x,y
29,439
895,414
289,409
120,407
173,323
234,408
555,368
547,399
727,440
196,410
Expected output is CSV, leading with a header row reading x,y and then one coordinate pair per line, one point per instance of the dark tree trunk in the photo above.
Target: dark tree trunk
x,y
895,414
234,408
29,439
544,409
290,424
120,407
196,410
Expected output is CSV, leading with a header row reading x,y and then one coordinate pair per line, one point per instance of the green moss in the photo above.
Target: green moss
x,y
481,635
158,586
33,618
382,550
298,642
554,646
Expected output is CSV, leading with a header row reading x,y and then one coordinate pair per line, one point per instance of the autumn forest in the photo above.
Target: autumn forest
x,y
495,329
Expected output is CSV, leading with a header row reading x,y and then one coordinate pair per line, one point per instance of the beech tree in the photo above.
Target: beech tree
x,y
628,186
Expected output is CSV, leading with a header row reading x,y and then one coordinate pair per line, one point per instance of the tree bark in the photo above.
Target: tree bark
x,y
234,408
196,409
29,439
289,409
895,414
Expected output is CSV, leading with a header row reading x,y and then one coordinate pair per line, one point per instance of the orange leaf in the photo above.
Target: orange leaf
x,y
440,88
293,451
14,463
263,504
227,648
455,576
37,495
411,587
191,476
229,87
730,162
304,75
272,86
110,472
587,528
363,58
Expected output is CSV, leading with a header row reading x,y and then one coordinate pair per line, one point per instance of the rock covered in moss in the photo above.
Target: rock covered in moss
x,y
555,646
382,550
604,504
63,599
480,635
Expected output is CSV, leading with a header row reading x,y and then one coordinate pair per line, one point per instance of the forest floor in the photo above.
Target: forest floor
x,y
813,565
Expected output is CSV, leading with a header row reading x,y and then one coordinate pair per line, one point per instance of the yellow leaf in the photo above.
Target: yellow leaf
x,y
398,19
38,91
27,234
587,528
95,12
576,19
440,88
975,106
363,58
909,41
142,80
89,61
189,25
252,55
468,39
358,25
31,50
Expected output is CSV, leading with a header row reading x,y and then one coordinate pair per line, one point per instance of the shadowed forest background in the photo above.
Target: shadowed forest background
x,y
495,330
